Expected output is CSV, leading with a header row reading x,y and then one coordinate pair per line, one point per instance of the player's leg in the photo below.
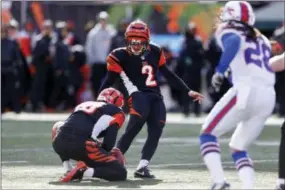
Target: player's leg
x,y
260,105
112,171
281,163
60,146
246,132
222,119
139,108
96,162
155,125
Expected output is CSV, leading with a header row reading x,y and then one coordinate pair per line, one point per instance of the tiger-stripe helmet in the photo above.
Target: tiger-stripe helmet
x,y
112,96
137,37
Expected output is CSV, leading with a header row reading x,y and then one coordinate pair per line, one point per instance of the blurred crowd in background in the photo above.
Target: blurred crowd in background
x,y
53,67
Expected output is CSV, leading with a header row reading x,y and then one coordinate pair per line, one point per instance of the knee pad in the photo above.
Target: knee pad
x,y
208,144
241,160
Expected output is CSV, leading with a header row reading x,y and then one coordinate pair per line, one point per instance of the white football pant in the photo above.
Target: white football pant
x,y
245,109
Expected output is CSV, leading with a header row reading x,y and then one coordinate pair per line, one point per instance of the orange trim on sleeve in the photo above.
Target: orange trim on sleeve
x,y
119,118
115,58
162,59
113,64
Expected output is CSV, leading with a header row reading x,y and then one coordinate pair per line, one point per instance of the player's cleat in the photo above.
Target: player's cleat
x,y
143,172
280,187
220,186
76,174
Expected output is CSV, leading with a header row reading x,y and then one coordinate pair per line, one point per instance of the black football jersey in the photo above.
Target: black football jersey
x,y
93,117
137,72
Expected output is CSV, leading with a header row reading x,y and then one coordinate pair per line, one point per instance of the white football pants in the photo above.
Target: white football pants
x,y
245,109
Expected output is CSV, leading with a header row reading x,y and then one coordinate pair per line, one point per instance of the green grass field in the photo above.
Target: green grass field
x,y
28,160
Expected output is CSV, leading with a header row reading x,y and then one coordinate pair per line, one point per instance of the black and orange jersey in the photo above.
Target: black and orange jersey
x,y
138,73
92,119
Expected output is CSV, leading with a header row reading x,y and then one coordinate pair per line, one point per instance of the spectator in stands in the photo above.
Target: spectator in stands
x,y
42,59
158,20
13,29
213,53
10,56
97,48
119,39
25,40
23,75
61,62
71,34
278,48
88,26
78,61
191,59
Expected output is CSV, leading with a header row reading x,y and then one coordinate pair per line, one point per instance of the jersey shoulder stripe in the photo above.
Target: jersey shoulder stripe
x,y
115,59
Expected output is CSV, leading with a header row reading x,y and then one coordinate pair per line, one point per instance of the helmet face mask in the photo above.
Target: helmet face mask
x,y
136,45
137,37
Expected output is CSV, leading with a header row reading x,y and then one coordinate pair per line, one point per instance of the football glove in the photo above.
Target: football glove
x,y
217,81
119,156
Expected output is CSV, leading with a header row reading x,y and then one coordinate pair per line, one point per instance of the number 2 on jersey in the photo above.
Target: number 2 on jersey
x,y
148,70
258,55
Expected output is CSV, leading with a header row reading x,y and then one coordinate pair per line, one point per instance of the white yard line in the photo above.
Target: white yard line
x,y
15,162
171,142
158,165
172,118
186,141
11,150
199,164
25,135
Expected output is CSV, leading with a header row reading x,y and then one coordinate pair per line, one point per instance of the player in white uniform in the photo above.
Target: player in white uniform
x,y
247,105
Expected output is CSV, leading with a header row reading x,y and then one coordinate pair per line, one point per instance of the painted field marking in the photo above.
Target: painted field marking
x,y
10,150
200,164
159,165
170,141
195,141
172,118
15,162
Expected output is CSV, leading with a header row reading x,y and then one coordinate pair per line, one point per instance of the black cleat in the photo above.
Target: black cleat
x,y
143,173
222,186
